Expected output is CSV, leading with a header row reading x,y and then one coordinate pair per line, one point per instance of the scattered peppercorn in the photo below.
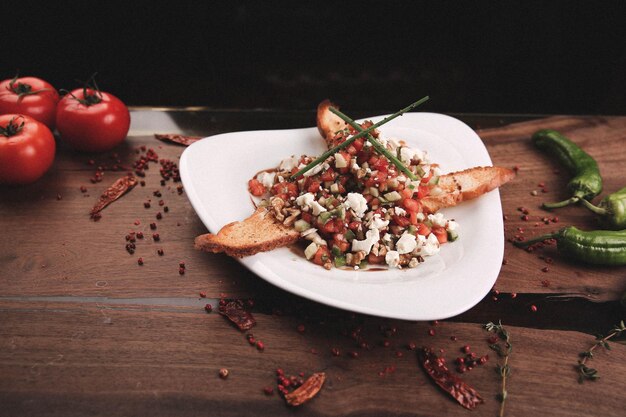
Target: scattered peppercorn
x,y
140,261
208,308
223,373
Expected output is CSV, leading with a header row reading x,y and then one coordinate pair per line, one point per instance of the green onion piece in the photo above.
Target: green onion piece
x,y
347,142
376,144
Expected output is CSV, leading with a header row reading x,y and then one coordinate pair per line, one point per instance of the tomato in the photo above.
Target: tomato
x,y
26,149
91,120
29,96
411,205
423,191
286,189
401,221
314,187
422,229
441,233
256,188
340,241
321,256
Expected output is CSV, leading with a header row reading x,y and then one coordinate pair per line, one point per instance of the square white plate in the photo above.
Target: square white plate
x,y
215,172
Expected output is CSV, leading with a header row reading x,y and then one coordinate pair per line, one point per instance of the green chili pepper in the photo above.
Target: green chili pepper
x,y
599,247
587,182
612,208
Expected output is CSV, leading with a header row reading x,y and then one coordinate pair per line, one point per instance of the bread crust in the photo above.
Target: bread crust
x,y
260,232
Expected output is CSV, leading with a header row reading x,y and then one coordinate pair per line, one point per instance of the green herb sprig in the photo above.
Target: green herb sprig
x,y
347,142
376,144
504,351
591,374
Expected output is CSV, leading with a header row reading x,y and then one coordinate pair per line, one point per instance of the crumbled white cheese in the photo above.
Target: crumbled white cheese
x,y
392,258
408,154
452,225
420,217
436,171
308,200
288,164
437,219
340,161
378,223
266,178
406,243
357,203
431,246
353,165
387,237
401,178
305,200
399,211
372,236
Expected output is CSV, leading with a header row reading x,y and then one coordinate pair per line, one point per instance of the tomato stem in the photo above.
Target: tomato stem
x,y
23,89
12,128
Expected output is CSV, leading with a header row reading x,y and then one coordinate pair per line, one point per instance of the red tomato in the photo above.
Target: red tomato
x,y
287,189
26,149
256,188
441,233
92,121
322,255
411,205
29,96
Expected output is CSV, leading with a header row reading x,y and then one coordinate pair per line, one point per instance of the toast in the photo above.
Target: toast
x,y
456,187
258,233
328,123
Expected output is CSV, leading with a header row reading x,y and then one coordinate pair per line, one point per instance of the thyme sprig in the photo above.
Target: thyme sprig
x,y
504,351
376,144
587,373
348,141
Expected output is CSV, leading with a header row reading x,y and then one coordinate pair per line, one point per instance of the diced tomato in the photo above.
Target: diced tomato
x,y
314,187
307,217
354,226
358,144
441,233
340,241
406,193
413,217
375,202
287,188
401,221
328,175
422,229
423,191
411,205
381,164
256,188
321,256
328,227
373,259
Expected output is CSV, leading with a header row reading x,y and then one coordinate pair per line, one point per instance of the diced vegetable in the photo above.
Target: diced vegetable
x,y
310,250
301,225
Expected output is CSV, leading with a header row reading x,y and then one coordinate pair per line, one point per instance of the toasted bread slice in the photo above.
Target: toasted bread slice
x,y
258,233
468,184
328,123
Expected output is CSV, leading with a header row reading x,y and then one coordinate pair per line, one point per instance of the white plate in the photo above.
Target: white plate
x,y
215,172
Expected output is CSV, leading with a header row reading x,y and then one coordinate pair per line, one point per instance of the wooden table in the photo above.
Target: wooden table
x,y
85,330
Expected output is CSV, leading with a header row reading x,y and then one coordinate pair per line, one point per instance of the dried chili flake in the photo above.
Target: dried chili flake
x,y
435,367
115,191
179,139
307,390
235,311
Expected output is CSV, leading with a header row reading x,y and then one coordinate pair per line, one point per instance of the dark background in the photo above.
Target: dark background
x,y
474,56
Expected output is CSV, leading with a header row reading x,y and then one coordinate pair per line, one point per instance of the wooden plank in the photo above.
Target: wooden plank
x,y
77,359
604,139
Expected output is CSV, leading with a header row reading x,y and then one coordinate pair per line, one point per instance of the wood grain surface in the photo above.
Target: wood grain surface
x,y
85,330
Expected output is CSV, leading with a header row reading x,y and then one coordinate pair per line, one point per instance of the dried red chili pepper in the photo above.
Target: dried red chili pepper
x,y
175,138
307,390
435,367
234,310
115,191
